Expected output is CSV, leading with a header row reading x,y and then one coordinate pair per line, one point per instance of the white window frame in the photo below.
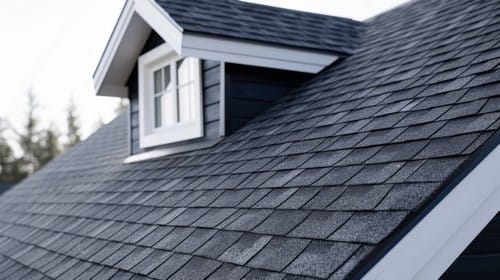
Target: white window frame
x,y
149,136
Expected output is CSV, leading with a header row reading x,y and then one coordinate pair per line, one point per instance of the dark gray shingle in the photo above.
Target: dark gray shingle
x,y
278,253
368,227
280,222
320,225
245,248
321,258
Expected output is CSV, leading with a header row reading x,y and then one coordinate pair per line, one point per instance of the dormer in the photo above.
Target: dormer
x,y
194,71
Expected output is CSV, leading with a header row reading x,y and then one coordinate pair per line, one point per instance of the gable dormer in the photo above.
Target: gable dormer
x,y
194,71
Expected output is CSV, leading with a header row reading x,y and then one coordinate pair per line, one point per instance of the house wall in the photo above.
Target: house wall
x,y
250,90
211,101
481,259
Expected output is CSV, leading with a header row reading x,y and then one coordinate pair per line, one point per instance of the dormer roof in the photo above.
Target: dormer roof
x,y
228,31
253,22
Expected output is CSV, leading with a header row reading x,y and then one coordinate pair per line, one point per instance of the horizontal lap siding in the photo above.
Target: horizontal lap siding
x,y
134,113
251,90
211,98
481,259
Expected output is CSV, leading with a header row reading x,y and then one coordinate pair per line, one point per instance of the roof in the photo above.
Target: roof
x,y
4,187
249,21
313,188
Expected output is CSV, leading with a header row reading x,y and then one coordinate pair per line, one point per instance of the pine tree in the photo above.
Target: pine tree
x,y
73,134
48,146
10,167
98,124
29,136
39,146
121,106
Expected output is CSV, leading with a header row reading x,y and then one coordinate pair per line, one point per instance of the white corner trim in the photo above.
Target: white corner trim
x,y
256,54
161,22
222,101
113,43
441,236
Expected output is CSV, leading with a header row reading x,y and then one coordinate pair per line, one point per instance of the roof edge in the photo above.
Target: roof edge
x,y
111,44
129,26
449,184
346,19
161,22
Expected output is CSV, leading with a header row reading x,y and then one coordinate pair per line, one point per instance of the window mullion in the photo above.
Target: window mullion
x,y
175,88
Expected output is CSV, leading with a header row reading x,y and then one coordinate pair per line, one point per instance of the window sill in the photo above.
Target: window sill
x,y
171,151
171,134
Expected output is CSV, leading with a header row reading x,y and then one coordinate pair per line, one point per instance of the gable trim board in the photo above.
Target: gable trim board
x,y
161,22
116,55
436,237
138,17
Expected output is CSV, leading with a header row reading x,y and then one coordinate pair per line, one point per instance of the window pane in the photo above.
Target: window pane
x,y
169,108
168,77
157,81
185,68
186,104
158,111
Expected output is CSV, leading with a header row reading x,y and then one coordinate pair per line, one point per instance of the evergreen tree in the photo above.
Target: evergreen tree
x,y
28,138
73,134
48,146
10,167
98,124
39,146
121,106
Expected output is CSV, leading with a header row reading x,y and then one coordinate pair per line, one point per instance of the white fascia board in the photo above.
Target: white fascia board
x,y
161,22
113,44
255,54
124,58
137,18
439,238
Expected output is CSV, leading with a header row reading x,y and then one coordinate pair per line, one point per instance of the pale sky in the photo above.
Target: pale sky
x,y
53,47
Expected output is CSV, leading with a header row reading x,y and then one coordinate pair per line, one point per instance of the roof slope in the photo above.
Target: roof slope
x,y
248,21
4,187
309,189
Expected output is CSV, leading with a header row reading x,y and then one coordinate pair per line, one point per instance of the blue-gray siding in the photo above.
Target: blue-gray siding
x,y
481,259
250,90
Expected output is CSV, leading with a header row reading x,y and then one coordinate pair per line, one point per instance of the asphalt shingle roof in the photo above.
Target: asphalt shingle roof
x,y
321,179
248,21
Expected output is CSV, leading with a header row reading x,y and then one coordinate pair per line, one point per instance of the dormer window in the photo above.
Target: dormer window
x,y
170,97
